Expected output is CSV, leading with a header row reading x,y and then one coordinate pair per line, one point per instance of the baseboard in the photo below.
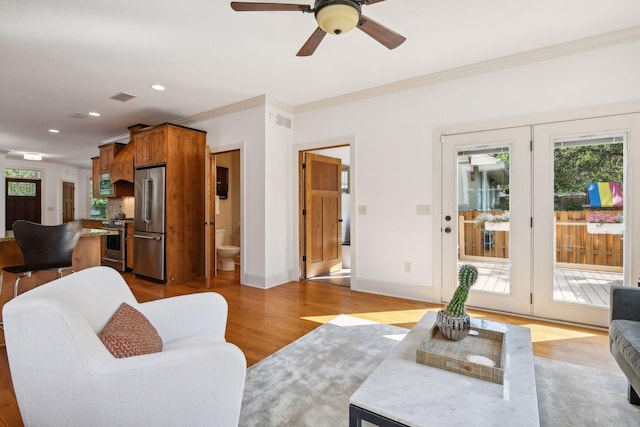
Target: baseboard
x,y
265,282
392,289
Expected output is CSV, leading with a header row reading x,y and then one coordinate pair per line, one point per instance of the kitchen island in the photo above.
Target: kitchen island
x,y
87,253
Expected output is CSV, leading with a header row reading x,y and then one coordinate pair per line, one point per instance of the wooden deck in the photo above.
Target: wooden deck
x,y
569,285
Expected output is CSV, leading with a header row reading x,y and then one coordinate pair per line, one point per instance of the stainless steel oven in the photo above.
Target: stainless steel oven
x,y
115,245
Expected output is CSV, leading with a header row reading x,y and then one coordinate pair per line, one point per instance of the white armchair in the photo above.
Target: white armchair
x,y
63,374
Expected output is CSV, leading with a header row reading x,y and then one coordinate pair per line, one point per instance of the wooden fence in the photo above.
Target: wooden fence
x,y
574,246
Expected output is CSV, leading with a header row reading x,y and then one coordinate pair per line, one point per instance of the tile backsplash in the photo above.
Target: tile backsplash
x,y
124,203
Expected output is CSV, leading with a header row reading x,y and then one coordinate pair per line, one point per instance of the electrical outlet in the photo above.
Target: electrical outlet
x,y
407,267
362,210
424,209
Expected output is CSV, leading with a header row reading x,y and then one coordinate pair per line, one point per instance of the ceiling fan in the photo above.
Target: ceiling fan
x,y
333,16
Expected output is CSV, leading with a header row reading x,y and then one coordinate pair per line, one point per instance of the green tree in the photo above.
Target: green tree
x,y
574,167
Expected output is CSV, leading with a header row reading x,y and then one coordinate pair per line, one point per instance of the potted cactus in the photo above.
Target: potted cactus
x,y
453,321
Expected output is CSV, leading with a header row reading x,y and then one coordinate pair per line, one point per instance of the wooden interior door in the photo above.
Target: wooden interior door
x,y
68,204
210,216
322,213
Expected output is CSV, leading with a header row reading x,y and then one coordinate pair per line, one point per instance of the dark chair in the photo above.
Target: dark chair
x,y
44,247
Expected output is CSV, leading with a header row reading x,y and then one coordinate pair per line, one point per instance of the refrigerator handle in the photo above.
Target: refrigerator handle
x,y
146,212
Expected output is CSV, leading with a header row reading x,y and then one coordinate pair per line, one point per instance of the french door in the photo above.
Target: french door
x,y
486,200
526,206
591,240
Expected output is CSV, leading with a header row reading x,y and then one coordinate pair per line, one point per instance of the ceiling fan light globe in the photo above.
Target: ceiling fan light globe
x,y
337,18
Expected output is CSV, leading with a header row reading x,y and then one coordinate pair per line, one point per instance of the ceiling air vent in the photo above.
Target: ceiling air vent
x,y
78,116
122,97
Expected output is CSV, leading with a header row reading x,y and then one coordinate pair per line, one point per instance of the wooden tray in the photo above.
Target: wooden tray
x,y
467,356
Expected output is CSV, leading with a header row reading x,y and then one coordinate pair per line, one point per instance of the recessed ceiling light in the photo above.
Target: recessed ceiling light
x,y
33,156
157,87
54,131
94,114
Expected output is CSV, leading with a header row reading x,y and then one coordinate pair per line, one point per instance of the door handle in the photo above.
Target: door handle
x,y
146,213
447,230
137,236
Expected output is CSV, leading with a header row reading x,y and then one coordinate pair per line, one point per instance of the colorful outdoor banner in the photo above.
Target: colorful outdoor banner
x,y
605,194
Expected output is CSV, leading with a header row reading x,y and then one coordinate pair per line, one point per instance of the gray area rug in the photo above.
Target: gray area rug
x,y
309,382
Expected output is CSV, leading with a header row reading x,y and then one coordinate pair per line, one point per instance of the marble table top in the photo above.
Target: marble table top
x,y
419,395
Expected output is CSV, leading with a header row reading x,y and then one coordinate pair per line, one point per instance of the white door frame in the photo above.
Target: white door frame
x,y
518,299
543,143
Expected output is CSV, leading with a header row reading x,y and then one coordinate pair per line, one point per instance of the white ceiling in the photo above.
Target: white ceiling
x,y
69,56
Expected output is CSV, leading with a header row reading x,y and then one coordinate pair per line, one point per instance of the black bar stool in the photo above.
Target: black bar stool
x,y
44,247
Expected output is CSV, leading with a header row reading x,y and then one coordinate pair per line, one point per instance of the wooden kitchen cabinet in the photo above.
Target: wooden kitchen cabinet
x,y
151,147
108,152
121,167
95,177
114,157
182,151
122,171
130,241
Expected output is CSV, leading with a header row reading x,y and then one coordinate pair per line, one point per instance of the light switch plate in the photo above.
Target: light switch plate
x,y
362,210
424,210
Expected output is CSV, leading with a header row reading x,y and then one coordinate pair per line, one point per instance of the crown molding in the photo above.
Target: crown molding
x,y
281,105
247,104
537,55
590,43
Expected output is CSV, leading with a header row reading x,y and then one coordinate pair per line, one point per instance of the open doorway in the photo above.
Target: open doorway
x,y
228,213
325,222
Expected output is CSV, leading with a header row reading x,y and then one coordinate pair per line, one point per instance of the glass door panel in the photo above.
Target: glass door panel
x,y
487,209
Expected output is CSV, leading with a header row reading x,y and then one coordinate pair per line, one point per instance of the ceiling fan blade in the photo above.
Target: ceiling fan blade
x,y
312,44
240,6
382,34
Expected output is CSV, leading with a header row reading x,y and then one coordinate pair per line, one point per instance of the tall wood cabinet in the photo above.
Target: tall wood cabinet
x,y
182,151
116,160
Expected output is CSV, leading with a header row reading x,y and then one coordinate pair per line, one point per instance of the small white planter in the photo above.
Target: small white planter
x,y
605,228
496,226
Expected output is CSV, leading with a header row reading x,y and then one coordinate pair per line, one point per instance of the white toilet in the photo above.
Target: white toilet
x,y
226,254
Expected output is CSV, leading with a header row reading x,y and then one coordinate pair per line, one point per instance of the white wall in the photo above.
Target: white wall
x,y
394,149
280,254
245,130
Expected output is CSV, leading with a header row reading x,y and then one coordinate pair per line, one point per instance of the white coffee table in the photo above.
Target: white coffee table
x,y
402,392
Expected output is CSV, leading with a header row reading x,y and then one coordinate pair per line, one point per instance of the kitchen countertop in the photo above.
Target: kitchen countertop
x,y
86,232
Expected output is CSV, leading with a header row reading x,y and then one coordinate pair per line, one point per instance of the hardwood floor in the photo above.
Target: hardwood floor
x,y
261,322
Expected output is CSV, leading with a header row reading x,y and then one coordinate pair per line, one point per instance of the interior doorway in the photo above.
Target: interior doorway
x,y
223,224
325,215
68,201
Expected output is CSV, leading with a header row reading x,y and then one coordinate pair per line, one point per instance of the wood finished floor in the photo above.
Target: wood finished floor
x,y
261,322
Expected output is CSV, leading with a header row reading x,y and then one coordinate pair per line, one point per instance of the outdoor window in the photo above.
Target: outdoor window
x,y
97,205
20,188
23,189
22,173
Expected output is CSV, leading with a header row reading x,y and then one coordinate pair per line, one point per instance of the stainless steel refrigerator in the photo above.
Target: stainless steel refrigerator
x,y
149,224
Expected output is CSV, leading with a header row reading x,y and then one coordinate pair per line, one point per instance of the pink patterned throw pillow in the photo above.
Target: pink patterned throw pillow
x,y
129,333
